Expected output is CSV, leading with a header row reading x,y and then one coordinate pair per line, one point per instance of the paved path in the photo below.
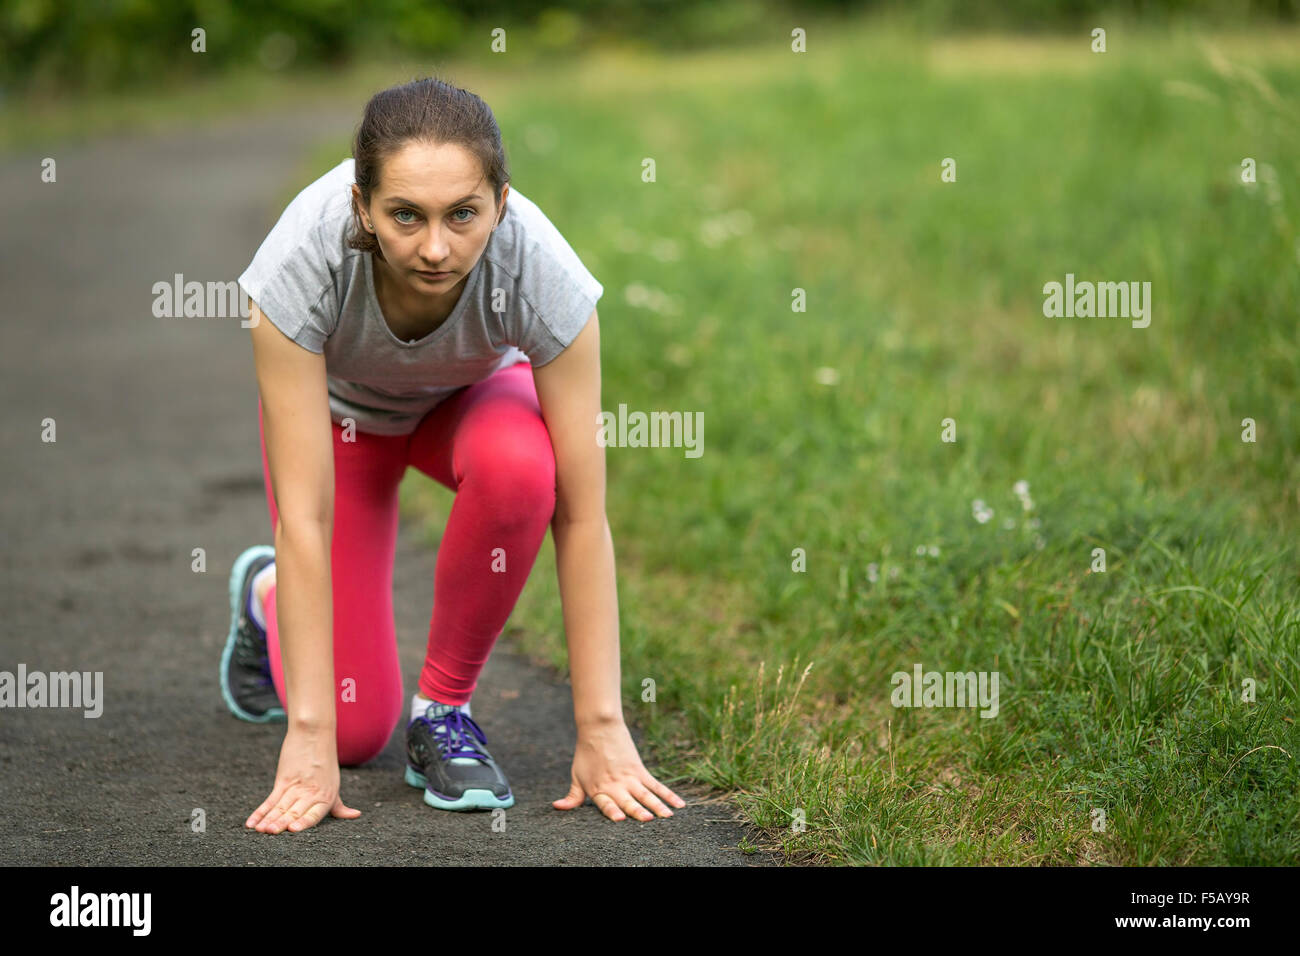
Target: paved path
x,y
157,454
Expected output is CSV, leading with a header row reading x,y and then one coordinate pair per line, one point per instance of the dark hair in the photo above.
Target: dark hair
x,y
426,110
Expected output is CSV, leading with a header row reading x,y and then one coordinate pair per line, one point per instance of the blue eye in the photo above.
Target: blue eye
x,y
404,222
465,209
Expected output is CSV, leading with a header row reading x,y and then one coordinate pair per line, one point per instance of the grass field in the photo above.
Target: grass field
x,y
1121,693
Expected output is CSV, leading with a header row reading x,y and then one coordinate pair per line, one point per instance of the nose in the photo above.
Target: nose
x,y
434,248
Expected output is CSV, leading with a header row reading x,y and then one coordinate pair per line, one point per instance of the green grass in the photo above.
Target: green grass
x,y
1120,691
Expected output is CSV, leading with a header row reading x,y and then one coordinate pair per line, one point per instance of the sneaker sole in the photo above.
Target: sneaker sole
x,y
476,799
236,592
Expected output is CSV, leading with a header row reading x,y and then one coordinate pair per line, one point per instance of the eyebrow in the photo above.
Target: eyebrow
x,y
398,200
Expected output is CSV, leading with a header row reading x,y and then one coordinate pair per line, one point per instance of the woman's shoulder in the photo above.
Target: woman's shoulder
x,y
532,251
321,212
298,271
310,237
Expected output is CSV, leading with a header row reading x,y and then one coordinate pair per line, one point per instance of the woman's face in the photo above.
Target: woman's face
x,y
433,211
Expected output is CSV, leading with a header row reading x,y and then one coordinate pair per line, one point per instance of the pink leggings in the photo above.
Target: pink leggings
x,y
487,442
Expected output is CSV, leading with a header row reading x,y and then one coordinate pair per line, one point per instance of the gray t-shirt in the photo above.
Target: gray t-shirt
x,y
321,294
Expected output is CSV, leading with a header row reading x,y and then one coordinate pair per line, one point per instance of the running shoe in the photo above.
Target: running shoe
x,y
447,757
246,683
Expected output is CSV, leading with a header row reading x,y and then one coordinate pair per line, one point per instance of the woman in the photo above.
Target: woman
x,y
415,318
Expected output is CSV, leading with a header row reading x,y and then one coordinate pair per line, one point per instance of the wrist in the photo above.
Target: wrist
x,y
313,725
598,720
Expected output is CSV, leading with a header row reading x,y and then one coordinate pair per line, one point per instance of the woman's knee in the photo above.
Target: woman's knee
x,y
362,739
520,470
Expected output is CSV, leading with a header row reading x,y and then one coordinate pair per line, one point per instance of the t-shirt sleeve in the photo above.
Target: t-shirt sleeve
x,y
561,304
290,281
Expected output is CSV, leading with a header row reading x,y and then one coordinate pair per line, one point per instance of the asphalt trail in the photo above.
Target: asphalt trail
x,y
156,455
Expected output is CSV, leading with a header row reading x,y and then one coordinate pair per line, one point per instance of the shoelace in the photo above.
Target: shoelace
x,y
458,741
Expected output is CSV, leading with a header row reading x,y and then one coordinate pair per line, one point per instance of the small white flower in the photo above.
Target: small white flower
x,y
920,549
739,221
665,250
636,294
827,376
934,551
1039,543
1009,523
641,295
718,229
1021,488
1034,523
873,572
893,572
981,511
1027,503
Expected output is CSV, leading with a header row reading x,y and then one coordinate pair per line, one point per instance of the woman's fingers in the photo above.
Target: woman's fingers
x,y
296,809
257,815
301,809
663,791
648,799
271,821
277,818
620,801
621,798
607,806
310,817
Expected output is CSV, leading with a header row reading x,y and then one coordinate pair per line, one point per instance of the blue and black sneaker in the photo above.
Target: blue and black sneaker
x,y
246,681
448,758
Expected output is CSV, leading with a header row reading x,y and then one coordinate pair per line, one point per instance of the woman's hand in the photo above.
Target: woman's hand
x,y
306,785
606,768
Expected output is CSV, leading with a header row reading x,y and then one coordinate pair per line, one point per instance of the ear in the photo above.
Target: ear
x,y
505,192
358,208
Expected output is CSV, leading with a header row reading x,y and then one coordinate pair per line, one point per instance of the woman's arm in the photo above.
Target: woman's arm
x,y
300,457
568,390
606,766
584,557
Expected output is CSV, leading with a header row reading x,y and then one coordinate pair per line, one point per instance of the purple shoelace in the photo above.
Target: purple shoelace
x,y
461,731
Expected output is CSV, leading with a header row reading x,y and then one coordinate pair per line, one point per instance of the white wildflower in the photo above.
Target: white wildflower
x,y
665,250
643,296
716,230
627,241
